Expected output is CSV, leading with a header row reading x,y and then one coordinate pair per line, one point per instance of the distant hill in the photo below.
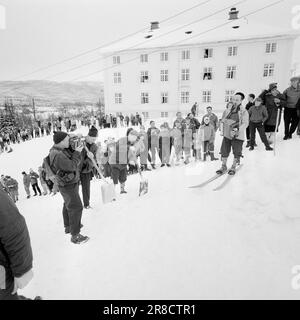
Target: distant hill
x,y
57,92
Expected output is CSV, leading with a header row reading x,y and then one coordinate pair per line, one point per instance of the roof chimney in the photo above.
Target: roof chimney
x,y
154,25
233,14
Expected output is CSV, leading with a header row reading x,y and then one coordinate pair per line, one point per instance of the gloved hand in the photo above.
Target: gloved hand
x,y
22,282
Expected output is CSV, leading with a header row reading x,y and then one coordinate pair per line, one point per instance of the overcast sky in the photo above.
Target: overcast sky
x,y
43,32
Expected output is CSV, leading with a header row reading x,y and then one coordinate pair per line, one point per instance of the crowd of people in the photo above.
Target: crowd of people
x,y
72,160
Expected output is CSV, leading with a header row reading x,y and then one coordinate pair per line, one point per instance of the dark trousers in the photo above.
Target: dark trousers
x,y
36,188
291,121
248,133
261,130
118,173
6,294
72,209
235,144
85,179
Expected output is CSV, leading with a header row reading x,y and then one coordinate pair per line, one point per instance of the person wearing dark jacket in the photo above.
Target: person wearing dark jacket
x,y
291,120
258,114
298,114
274,101
86,166
64,162
15,250
250,103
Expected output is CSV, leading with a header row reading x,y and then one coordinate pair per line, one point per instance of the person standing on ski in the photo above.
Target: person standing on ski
x,y
235,121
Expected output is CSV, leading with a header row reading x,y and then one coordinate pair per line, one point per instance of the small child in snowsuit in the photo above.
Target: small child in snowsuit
x,y
207,133
164,145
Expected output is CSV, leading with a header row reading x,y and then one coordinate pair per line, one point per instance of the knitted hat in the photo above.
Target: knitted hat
x,y
93,132
295,79
133,132
59,136
272,86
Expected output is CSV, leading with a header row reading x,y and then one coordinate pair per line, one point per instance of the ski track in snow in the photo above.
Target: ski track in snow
x,y
174,242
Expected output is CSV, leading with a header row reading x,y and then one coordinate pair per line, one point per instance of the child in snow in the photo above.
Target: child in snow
x,y
176,134
258,115
207,133
188,140
198,140
164,145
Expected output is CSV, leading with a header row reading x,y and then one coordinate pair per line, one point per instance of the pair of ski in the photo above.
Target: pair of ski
x,y
217,176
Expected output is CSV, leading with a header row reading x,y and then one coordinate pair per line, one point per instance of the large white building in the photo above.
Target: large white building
x,y
168,69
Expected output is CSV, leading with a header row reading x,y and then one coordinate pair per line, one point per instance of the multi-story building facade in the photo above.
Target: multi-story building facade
x,y
168,75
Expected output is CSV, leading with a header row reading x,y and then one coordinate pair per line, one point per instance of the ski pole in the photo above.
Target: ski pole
x,y
276,128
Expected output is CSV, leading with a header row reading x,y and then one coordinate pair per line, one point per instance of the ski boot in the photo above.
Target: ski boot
x,y
248,144
251,148
268,148
223,168
232,170
123,188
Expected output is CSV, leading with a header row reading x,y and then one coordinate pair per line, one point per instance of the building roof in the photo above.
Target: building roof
x,y
208,31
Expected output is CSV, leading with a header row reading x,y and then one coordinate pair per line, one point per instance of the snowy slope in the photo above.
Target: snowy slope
x,y
175,242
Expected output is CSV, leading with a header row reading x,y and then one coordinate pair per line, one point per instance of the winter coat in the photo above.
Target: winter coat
x,y
86,164
213,120
258,114
33,177
65,164
241,123
207,133
272,108
26,180
15,247
11,184
291,95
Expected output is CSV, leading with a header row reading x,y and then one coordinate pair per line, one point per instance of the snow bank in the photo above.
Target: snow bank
x,y
175,242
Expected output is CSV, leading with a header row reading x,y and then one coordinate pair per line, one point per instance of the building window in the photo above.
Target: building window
x,y
185,54
185,97
164,56
228,95
207,73
118,98
164,97
208,53
146,115
232,51
206,96
271,47
269,69
144,97
185,74
164,75
164,114
144,58
117,77
116,60
231,72
144,76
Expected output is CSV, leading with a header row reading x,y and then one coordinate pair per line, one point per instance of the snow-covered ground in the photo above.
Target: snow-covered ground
x,y
173,243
